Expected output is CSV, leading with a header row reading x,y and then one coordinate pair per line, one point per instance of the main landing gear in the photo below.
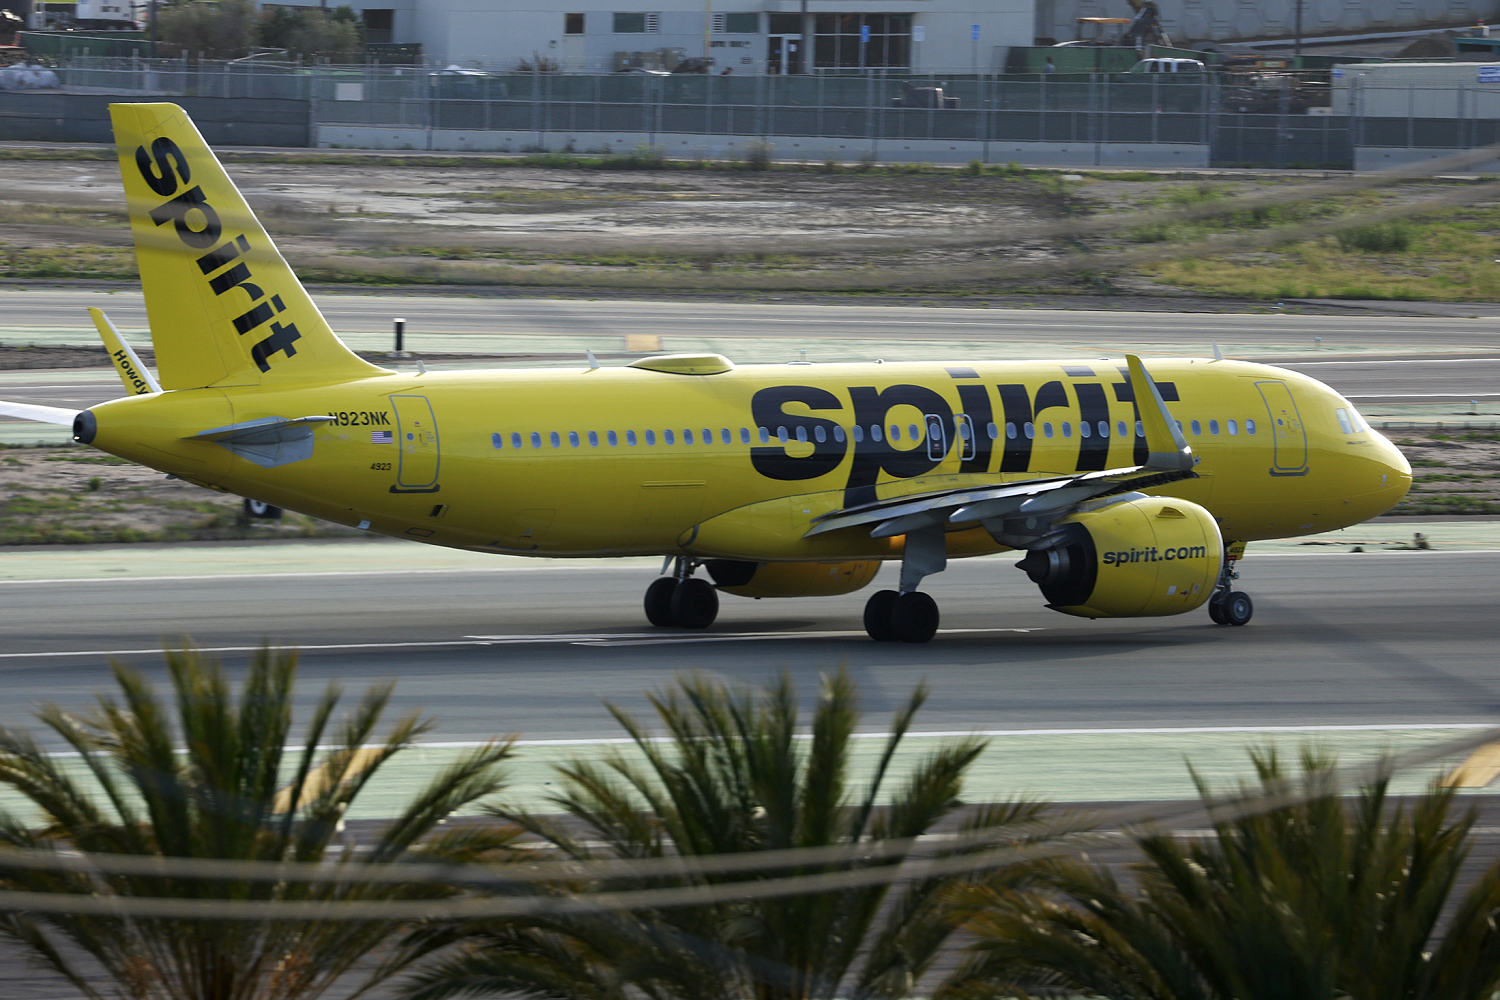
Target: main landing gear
x,y
682,599
908,615
1227,606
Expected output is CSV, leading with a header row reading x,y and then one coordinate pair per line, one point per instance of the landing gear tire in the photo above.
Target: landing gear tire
x,y
916,617
1237,608
694,604
659,601
880,612
1216,609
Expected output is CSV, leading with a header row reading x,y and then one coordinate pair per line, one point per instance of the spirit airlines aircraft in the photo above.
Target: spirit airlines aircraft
x,y
1131,492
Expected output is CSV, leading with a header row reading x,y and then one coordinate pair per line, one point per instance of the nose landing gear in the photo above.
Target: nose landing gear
x,y
1228,606
681,599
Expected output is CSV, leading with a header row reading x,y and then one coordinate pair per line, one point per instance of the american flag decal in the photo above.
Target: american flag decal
x,y
380,437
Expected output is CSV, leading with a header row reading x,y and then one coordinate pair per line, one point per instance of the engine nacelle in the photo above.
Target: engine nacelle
x,y
790,579
1147,556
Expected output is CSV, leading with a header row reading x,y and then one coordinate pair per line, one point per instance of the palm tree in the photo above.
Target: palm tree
x,y
217,798
1297,894
733,778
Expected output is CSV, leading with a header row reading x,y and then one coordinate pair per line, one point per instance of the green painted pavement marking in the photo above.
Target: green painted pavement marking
x,y
1085,766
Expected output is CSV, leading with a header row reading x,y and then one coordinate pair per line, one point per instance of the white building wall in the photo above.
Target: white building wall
x,y
1417,90
497,35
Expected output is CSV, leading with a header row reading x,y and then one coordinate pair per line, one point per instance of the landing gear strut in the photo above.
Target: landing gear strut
x,y
909,615
681,599
1228,606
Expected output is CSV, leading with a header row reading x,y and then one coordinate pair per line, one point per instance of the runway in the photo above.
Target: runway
x,y
1394,638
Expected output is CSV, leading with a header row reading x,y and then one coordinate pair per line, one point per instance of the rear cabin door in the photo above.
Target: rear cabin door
x,y
417,436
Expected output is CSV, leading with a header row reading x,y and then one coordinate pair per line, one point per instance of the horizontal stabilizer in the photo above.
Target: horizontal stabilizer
x,y
267,441
43,414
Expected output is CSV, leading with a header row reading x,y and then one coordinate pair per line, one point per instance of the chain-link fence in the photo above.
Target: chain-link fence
x,y
1279,121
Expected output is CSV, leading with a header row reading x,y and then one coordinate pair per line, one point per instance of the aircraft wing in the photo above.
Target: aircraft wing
x,y
1044,499
42,414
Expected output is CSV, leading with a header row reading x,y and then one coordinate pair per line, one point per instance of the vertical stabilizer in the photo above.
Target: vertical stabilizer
x,y
224,307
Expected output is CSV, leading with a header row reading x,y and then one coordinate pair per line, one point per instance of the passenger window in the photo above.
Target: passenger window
x,y
1122,429
858,433
1213,427
555,439
650,437
687,436
708,436
895,432
1249,426
765,435
1104,428
630,438
1010,430
727,438
593,439
1084,430
916,435
820,434
1197,428
994,431
573,438
536,440
875,433
1047,428
497,440
1029,430
782,435
838,434
515,440
1232,426
613,439
1067,428
1140,429
667,437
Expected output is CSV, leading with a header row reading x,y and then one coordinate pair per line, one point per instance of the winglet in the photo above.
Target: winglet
x,y
1164,441
137,377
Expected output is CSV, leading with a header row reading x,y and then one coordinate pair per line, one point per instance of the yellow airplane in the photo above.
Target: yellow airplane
x,y
777,480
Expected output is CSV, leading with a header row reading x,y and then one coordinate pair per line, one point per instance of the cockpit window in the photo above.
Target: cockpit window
x,y
1344,424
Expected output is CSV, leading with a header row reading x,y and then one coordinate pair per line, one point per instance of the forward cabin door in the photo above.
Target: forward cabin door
x,y
1289,437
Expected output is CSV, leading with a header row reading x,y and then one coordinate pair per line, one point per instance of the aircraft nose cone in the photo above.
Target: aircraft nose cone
x,y
1396,477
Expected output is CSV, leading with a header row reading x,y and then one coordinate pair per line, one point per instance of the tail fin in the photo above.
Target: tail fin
x,y
224,307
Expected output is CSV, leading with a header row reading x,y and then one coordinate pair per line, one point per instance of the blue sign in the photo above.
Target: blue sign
x,y
973,32
1489,74
864,32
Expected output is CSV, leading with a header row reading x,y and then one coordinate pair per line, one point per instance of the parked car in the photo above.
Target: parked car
x,y
1163,64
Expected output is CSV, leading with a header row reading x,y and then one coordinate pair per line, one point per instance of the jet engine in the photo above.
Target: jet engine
x,y
790,579
1143,556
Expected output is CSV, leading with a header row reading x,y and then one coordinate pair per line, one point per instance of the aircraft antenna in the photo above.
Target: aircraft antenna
x,y
1218,354
593,361
421,368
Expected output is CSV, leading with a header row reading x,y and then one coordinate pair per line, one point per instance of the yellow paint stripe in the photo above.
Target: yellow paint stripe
x,y
1481,768
320,777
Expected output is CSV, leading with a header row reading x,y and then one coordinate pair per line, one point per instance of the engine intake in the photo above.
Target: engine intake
x,y
1141,557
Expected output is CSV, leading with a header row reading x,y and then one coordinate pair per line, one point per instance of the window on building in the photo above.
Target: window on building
x,y
841,41
737,24
635,24
379,25
572,24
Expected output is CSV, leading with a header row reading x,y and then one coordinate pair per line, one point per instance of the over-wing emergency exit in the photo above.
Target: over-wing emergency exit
x,y
1131,491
